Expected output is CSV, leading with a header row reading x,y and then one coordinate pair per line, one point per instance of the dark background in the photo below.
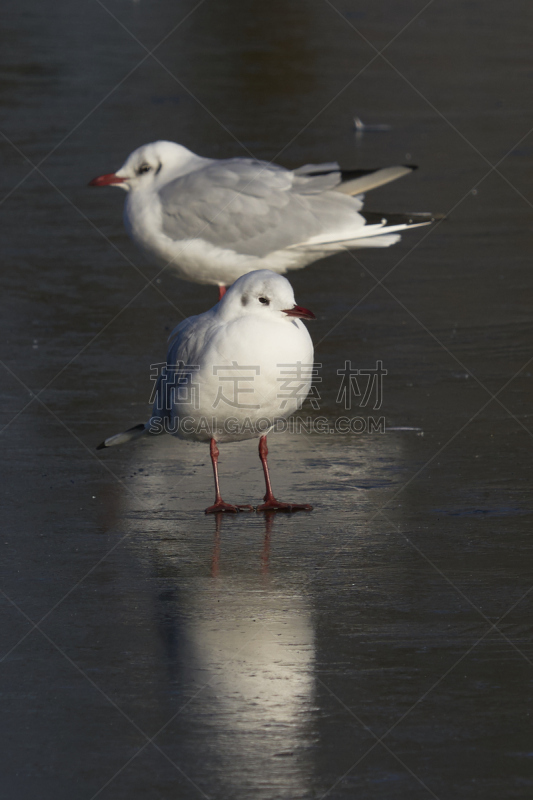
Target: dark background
x,y
381,646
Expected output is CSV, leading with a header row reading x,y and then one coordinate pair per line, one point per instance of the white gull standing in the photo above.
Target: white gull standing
x,y
228,373
214,220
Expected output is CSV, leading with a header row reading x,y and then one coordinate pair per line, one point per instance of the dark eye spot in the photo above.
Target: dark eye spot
x,y
264,300
144,168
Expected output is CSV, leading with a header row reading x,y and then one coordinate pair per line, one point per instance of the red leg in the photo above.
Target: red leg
x,y
270,501
219,504
221,292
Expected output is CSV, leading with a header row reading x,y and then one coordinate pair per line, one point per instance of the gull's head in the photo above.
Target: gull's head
x,y
148,167
264,294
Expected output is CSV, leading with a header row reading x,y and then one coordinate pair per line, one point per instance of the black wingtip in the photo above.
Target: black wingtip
x,y
410,166
375,218
101,446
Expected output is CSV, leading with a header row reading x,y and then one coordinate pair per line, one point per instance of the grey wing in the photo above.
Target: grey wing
x,y
255,208
185,343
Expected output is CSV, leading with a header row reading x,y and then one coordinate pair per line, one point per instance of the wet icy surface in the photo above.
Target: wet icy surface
x,y
346,653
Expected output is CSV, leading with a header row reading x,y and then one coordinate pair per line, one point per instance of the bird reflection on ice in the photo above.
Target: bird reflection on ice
x,y
230,641
226,608
265,555
252,648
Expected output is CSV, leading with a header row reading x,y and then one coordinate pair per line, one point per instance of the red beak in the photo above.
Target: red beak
x,y
299,311
107,180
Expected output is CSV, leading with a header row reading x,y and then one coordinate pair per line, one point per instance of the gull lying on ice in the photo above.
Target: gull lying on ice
x,y
248,340
215,220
